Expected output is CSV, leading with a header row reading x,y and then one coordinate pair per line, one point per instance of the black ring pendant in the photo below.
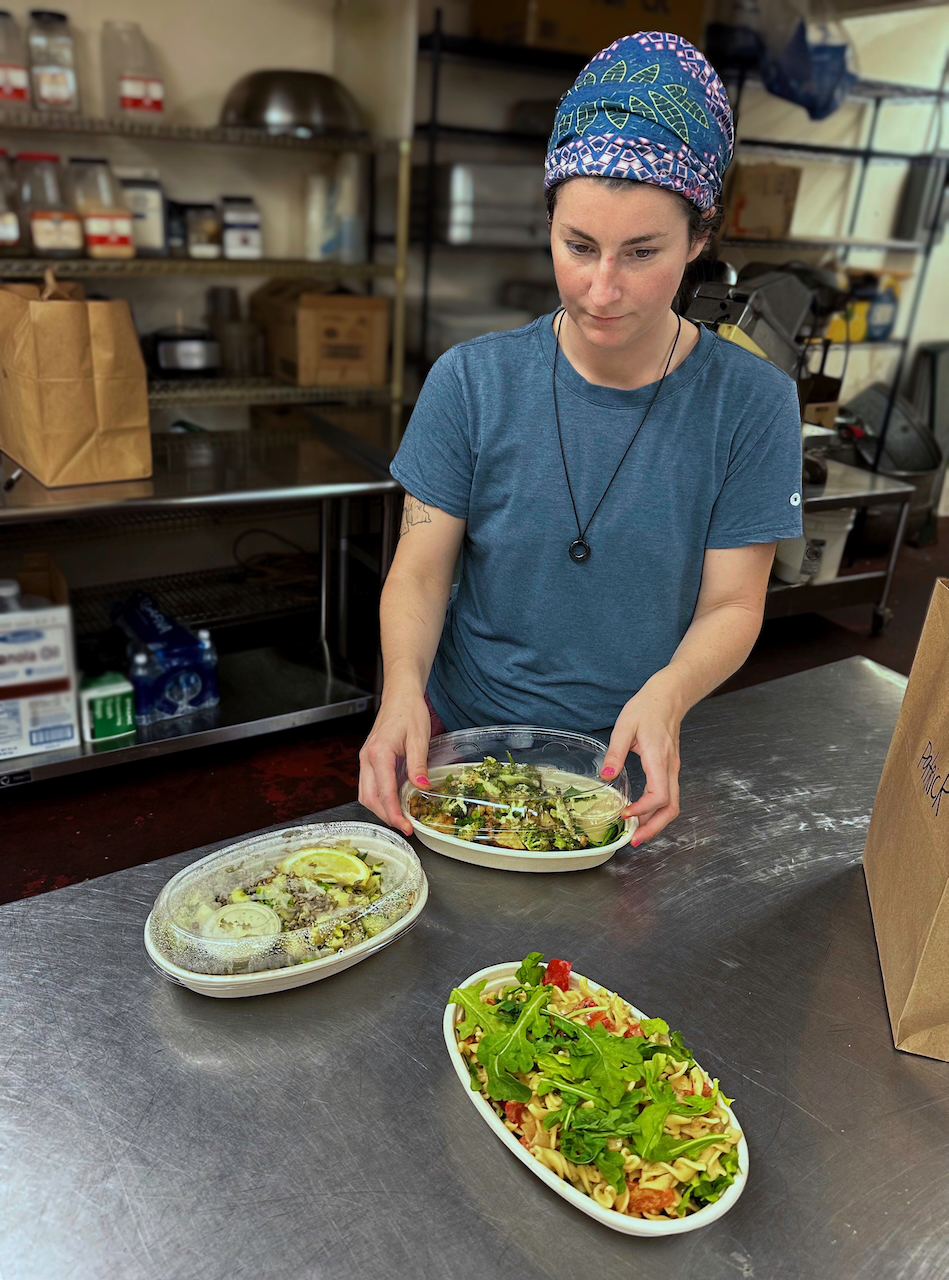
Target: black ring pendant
x,y
579,551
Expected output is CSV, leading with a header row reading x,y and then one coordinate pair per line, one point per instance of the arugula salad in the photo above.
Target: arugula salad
x,y
516,806
615,1105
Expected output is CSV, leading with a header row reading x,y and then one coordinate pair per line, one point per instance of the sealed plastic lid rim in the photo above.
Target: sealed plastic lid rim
x,y
176,931
566,799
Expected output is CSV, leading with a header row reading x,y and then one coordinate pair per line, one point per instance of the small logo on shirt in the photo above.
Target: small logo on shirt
x,y
795,499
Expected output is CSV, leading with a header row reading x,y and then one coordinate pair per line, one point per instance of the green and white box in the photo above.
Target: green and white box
x,y
106,707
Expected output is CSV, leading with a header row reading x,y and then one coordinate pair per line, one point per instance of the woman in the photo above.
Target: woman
x,y
614,478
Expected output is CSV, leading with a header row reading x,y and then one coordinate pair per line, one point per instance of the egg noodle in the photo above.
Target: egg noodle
x,y
613,1104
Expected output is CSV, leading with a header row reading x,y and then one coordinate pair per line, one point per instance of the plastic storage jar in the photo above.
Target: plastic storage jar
x,y
52,62
14,73
12,239
106,222
133,87
55,228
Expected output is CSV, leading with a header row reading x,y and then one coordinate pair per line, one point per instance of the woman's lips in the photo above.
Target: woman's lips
x,y
605,319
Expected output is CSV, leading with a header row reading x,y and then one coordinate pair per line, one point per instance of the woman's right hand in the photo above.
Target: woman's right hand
x,y
403,728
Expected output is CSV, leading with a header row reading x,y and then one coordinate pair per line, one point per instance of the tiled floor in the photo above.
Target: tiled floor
x,y
57,833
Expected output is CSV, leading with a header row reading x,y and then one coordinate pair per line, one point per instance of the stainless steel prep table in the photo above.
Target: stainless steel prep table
x,y
148,1133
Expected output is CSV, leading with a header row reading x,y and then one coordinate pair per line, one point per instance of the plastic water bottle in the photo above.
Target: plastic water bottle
x,y
9,595
209,666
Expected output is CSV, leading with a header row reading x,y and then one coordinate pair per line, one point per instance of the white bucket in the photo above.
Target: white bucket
x,y
826,533
788,559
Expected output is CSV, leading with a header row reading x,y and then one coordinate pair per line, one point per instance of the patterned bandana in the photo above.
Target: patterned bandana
x,y
650,108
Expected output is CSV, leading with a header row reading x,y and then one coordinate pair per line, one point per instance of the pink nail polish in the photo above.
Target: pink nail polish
x,y
422,781
637,843
608,771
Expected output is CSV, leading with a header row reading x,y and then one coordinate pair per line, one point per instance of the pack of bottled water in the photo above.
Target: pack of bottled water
x,y
173,670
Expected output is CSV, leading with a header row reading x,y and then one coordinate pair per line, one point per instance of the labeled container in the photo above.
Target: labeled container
x,y
52,53
321,224
144,198
106,707
173,671
55,229
350,182
203,230
518,797
789,560
106,222
826,533
133,88
177,228
241,233
14,72
12,239
285,908
37,674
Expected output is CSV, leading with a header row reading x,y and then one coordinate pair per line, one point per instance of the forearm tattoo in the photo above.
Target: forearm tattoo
x,y
414,512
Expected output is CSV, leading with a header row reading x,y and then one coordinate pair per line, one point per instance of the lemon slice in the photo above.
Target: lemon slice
x,y
242,920
326,864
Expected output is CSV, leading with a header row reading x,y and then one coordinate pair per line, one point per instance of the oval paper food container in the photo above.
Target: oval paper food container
x,y
253,966
487,855
496,976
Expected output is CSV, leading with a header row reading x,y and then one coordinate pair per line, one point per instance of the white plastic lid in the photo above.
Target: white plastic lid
x,y
140,659
9,587
204,635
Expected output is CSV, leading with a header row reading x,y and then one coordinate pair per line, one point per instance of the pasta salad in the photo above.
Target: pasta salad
x,y
613,1104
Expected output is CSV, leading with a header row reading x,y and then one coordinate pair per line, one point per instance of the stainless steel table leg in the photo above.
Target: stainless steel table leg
x,y
881,614
343,612
324,588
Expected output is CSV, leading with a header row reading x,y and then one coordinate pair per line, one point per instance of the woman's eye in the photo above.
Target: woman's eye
x,y
643,254
577,247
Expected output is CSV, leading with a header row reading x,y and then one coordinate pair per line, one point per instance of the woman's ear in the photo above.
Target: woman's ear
x,y
699,245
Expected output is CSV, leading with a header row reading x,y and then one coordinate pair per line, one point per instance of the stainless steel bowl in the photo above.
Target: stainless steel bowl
x,y
303,103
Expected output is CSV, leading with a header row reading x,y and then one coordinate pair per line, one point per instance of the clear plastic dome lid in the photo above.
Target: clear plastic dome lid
x,y
285,898
518,787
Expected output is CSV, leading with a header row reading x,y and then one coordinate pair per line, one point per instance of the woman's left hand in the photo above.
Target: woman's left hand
x,y
649,725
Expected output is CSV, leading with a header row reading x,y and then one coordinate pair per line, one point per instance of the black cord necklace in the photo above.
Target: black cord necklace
x,y
579,549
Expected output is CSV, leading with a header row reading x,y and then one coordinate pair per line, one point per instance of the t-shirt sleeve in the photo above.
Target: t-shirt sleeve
x,y
435,462
760,500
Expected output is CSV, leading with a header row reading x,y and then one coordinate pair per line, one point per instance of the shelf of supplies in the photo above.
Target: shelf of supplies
x,y
89,268
817,344
512,55
825,242
146,131
862,90
262,691
822,151
493,137
209,391
785,600
208,469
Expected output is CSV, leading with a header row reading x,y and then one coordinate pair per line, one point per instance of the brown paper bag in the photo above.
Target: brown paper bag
x,y
906,859
73,394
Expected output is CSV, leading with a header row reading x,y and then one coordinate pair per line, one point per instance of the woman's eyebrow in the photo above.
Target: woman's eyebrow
x,y
583,235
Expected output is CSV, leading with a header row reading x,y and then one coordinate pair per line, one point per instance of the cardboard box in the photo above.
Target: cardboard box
x,y
37,667
583,26
820,399
759,200
320,339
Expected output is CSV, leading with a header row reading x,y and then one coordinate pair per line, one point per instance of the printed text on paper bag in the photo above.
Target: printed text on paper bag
x,y
935,784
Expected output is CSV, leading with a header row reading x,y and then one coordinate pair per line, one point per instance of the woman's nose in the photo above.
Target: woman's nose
x,y
605,285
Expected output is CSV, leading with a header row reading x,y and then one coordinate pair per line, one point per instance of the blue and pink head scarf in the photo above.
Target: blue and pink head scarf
x,y
650,108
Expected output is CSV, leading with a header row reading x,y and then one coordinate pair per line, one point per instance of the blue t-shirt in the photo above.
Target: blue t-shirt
x,y
531,637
